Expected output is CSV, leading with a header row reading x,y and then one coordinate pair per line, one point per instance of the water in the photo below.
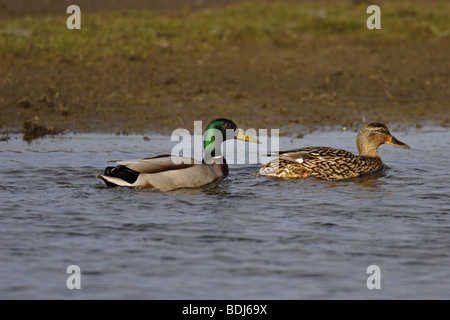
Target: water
x,y
249,237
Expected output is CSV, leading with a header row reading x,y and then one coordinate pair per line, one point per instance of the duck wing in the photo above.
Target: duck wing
x,y
329,163
315,155
310,161
159,163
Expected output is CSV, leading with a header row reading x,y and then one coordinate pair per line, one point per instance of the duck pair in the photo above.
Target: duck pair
x,y
167,172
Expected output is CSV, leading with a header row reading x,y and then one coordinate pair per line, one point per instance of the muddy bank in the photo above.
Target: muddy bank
x,y
270,87
20,8
276,83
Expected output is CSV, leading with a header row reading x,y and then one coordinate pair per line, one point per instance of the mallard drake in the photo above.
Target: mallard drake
x,y
167,172
334,164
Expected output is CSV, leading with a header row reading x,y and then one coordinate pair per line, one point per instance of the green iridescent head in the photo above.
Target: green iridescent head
x,y
218,131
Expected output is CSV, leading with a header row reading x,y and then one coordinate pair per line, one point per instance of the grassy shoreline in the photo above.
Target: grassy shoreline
x,y
117,35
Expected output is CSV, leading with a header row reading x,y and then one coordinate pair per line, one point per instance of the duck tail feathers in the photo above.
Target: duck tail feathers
x,y
119,176
113,181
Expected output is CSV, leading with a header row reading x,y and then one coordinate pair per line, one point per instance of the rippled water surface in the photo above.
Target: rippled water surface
x,y
249,237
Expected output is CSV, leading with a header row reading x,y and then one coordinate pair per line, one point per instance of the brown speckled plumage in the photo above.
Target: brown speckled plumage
x,y
334,164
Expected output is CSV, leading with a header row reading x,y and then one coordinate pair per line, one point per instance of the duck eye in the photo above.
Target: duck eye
x,y
227,125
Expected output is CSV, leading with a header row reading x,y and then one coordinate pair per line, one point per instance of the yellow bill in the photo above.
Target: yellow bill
x,y
240,135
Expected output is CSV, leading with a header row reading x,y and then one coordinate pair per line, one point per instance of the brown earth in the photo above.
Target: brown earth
x,y
19,8
266,85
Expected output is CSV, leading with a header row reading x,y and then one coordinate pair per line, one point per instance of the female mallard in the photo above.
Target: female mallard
x,y
334,164
167,172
